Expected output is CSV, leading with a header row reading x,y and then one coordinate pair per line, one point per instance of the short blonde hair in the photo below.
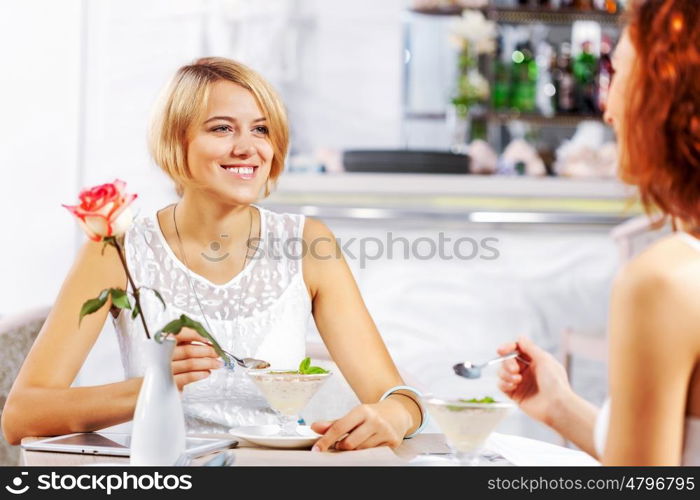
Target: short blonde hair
x,y
185,100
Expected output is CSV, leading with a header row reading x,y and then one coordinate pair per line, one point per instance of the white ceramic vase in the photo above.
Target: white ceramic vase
x,y
158,432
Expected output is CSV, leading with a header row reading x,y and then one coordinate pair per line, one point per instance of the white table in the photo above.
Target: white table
x,y
249,454
424,449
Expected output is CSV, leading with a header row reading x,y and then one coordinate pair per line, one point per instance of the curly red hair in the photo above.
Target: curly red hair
x,y
661,136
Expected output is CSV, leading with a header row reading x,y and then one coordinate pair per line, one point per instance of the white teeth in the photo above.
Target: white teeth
x,y
240,170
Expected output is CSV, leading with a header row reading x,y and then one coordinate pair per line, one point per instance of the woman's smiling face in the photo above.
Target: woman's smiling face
x,y
229,153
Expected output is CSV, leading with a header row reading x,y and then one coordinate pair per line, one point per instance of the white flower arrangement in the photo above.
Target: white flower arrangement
x,y
475,31
472,34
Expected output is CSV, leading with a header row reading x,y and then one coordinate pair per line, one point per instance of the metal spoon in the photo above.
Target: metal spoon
x,y
250,363
470,370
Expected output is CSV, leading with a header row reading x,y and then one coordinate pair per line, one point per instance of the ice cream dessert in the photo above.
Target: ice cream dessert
x,y
467,423
288,391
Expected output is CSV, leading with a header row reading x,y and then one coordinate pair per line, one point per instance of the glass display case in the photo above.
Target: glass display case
x,y
547,71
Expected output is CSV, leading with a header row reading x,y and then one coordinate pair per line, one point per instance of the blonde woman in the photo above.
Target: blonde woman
x,y
222,137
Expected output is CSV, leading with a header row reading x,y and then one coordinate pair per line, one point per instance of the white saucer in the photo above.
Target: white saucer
x,y
268,435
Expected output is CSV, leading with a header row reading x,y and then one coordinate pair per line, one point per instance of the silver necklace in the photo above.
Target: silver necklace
x,y
194,290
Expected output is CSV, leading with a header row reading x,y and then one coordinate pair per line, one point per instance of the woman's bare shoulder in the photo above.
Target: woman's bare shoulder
x,y
323,257
662,286
98,262
669,262
319,241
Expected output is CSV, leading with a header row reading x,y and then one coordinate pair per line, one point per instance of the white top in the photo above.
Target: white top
x,y
275,308
691,434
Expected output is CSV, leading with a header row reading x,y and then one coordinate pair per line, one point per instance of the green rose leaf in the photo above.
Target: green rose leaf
x,y
120,298
197,326
92,305
176,325
157,293
173,327
135,312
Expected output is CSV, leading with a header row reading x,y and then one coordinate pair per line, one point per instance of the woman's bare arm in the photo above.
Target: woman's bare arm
x,y
42,401
654,349
346,326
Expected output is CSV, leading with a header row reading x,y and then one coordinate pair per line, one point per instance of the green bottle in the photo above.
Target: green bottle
x,y
585,68
501,84
524,74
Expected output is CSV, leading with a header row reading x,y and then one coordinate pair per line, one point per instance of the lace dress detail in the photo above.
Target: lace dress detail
x,y
274,312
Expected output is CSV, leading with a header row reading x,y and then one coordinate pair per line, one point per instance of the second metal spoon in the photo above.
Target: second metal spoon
x,y
470,370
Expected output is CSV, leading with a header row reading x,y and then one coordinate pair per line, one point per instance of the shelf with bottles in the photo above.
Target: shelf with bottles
x,y
546,81
557,120
530,11
553,78
539,15
550,85
428,9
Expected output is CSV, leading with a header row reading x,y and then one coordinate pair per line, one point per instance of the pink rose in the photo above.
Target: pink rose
x,y
104,210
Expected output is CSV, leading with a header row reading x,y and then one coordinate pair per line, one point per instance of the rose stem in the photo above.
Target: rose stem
x,y
133,286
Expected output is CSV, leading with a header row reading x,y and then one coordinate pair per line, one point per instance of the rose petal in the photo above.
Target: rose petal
x,y
128,199
119,185
102,208
92,235
74,209
122,223
106,209
98,224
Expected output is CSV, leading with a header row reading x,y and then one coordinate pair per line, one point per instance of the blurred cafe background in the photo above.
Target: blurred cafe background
x,y
413,122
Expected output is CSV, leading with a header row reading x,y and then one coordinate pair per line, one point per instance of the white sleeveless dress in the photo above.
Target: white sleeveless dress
x,y
275,308
691,433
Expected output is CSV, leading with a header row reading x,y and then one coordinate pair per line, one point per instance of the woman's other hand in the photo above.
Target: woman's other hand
x,y
535,380
192,361
366,426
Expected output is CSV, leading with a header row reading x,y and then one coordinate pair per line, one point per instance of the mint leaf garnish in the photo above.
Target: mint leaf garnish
x,y
305,368
487,399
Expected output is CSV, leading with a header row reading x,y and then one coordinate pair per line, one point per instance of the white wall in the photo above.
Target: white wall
x,y
349,91
39,156
336,62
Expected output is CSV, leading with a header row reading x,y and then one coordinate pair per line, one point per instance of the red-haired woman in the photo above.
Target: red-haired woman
x,y
653,414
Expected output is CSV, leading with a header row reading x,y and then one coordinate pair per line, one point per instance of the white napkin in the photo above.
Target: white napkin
x,y
530,452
